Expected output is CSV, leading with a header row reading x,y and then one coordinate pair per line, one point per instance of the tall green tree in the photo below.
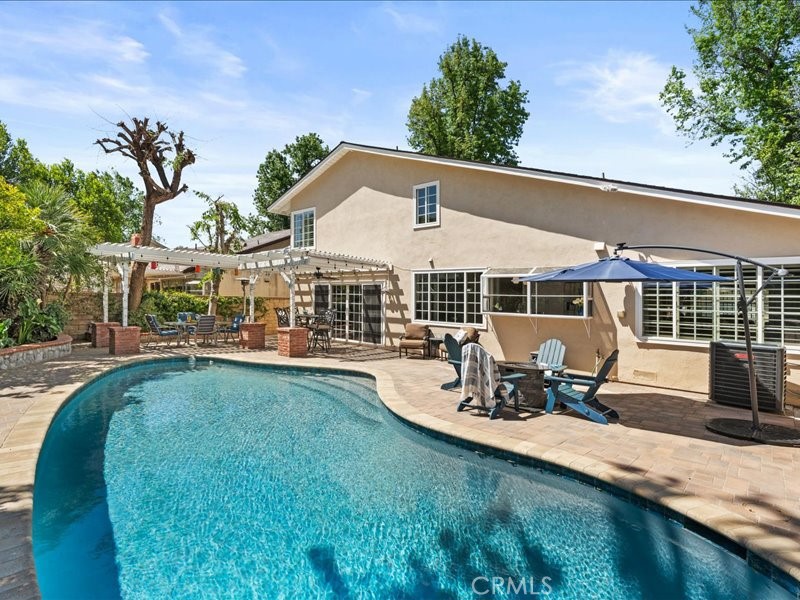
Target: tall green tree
x,y
219,230
161,156
110,202
60,246
466,112
280,170
19,225
748,91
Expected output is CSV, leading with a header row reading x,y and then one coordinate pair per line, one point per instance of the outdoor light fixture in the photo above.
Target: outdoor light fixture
x,y
739,428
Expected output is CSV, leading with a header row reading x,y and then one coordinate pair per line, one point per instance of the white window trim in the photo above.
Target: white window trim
x,y
313,211
791,349
587,297
438,221
479,326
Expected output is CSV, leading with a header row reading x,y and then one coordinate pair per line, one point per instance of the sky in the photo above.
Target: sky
x,y
241,79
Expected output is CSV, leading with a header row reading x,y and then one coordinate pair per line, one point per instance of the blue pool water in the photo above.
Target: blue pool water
x,y
172,480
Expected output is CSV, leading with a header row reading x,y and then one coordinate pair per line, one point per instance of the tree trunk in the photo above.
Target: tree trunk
x,y
137,274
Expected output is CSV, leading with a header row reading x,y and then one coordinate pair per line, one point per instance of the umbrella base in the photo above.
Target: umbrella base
x,y
742,429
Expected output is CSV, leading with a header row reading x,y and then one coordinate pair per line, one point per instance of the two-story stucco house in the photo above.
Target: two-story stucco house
x,y
458,233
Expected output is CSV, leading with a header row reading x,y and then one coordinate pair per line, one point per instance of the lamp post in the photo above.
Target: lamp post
x,y
757,431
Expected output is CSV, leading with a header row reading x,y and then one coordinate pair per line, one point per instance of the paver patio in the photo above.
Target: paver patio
x,y
660,449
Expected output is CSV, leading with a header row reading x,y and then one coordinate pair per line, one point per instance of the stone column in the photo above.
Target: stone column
x,y
252,336
292,341
123,340
100,333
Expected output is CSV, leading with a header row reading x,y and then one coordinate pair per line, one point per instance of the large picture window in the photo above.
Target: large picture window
x,y
426,204
706,311
303,228
503,295
448,297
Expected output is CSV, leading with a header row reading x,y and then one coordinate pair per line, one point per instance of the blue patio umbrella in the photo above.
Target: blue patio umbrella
x,y
623,269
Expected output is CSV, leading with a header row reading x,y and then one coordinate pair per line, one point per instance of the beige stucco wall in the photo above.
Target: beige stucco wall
x,y
269,285
364,207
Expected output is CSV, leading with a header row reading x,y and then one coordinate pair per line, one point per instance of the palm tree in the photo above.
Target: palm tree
x,y
60,247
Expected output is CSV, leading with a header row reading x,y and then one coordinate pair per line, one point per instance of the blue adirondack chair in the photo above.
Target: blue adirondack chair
x,y
562,389
454,354
551,353
500,399
160,332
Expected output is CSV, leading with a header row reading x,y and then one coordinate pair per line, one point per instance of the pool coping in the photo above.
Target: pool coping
x,y
772,555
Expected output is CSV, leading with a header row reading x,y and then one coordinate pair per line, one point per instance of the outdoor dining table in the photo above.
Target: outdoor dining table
x,y
182,327
306,319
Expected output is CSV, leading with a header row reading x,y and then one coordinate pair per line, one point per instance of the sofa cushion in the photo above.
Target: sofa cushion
x,y
416,331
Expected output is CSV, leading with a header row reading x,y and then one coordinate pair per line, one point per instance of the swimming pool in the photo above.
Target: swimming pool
x,y
214,480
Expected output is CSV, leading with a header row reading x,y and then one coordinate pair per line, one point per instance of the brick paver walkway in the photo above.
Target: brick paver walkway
x,y
660,449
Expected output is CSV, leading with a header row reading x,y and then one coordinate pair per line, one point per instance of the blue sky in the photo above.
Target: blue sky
x,y
241,79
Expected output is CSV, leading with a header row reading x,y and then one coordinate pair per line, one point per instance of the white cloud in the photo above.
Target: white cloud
x,y
195,44
75,38
360,96
409,22
621,87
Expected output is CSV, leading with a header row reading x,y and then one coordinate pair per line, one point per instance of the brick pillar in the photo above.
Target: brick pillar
x,y
292,341
123,340
251,336
100,333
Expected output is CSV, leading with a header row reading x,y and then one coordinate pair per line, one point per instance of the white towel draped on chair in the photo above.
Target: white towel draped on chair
x,y
480,376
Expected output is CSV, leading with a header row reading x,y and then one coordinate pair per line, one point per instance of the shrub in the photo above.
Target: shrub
x,y
36,324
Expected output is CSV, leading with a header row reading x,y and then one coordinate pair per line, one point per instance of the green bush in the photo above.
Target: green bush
x,y
35,324
5,334
167,305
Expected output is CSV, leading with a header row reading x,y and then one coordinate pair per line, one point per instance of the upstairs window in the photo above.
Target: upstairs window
x,y
303,228
426,204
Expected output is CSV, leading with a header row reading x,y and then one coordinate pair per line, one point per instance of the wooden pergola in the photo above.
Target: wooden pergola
x,y
290,263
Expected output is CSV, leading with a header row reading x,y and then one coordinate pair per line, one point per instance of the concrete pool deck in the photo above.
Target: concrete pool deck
x,y
660,449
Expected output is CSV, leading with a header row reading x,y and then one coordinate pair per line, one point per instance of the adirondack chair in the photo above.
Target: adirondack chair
x,y
474,357
454,355
551,353
562,389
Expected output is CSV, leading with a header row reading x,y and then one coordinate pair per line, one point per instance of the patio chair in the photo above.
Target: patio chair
x,y
465,335
206,327
156,331
562,389
415,338
551,353
232,329
483,383
321,330
455,353
283,317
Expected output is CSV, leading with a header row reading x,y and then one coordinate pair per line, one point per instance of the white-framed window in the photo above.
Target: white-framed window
x,y
448,297
502,294
426,205
303,226
699,312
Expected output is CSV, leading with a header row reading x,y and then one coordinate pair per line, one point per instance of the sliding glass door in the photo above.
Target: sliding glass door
x,y
358,310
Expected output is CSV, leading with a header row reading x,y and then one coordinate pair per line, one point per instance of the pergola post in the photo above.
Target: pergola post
x,y
253,279
123,269
292,300
105,295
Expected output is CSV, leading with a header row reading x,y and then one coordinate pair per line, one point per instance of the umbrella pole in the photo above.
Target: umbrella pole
x,y
749,345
